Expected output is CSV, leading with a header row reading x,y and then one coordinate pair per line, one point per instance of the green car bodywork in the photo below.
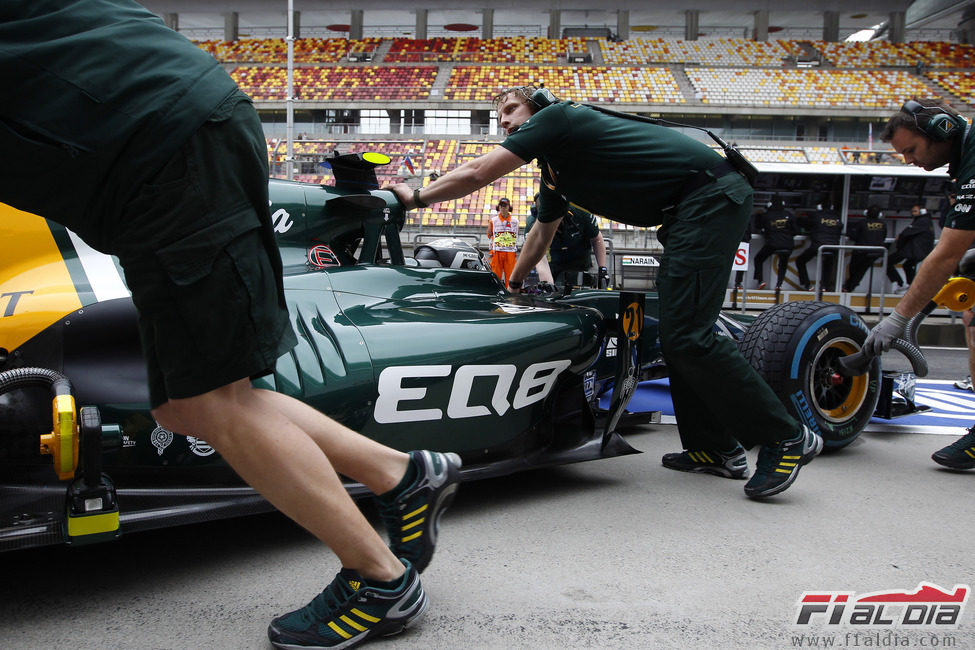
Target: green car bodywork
x,y
411,355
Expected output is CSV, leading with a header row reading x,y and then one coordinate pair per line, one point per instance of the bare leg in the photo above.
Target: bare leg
x,y
287,467
376,466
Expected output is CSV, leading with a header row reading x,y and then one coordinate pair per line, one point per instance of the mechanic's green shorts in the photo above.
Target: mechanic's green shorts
x,y
200,259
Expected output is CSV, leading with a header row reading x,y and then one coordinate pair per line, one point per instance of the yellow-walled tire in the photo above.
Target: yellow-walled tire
x,y
794,347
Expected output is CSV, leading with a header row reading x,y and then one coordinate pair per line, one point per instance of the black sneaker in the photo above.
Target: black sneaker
x,y
778,465
958,455
350,611
412,517
731,465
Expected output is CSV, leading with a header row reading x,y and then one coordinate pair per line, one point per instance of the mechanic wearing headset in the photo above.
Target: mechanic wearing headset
x,y
161,160
646,175
930,134
912,245
502,232
577,236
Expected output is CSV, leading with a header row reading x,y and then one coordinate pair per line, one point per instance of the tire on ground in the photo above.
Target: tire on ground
x,y
794,347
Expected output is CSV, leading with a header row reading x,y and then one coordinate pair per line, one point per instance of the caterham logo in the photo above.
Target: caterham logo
x,y
410,403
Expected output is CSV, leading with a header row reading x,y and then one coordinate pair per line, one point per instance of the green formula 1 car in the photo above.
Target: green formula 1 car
x,y
421,351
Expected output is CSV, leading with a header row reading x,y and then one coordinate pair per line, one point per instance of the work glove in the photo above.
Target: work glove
x,y
884,333
545,287
603,278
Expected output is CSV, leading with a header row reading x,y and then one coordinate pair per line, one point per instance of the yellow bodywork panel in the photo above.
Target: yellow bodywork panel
x,y
35,287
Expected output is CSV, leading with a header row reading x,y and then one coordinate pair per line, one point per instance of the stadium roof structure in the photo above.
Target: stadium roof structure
x,y
786,18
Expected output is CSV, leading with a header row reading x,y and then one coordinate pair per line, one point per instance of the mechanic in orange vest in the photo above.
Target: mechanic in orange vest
x,y
503,237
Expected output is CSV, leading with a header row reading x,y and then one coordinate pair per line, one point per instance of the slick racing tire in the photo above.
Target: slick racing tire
x,y
794,347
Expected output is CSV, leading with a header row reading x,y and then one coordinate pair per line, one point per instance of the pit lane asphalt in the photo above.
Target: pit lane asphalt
x,y
619,553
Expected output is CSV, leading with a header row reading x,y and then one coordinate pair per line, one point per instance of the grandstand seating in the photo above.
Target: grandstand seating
x,y
732,72
784,155
724,72
958,83
946,55
580,83
868,54
475,50
381,83
474,211
862,89
275,50
823,155
721,51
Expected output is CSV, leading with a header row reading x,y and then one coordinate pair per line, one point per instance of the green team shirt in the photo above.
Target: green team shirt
x,y
962,169
94,89
573,239
623,169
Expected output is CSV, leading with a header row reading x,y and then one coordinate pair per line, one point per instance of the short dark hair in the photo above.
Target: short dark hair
x,y
905,120
524,92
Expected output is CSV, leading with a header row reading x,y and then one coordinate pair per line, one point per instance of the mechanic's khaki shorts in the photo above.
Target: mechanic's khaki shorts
x,y
200,259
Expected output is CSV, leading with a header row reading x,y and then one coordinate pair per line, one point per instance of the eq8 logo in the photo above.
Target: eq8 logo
x,y
399,403
928,605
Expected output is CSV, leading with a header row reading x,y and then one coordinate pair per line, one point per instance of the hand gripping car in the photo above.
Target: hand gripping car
x,y
426,351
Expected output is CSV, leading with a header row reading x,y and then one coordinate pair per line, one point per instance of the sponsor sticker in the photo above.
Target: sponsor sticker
x,y
322,257
199,446
160,439
640,260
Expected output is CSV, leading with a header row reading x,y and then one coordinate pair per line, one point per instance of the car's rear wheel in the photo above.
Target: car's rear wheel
x,y
794,347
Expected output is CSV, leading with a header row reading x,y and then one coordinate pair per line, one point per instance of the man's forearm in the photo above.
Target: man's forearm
x,y
599,249
453,185
468,178
534,249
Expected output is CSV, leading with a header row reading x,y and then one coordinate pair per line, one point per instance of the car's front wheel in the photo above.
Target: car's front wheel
x,y
795,346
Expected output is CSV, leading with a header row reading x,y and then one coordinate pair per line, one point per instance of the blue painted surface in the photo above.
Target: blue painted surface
x,y
952,409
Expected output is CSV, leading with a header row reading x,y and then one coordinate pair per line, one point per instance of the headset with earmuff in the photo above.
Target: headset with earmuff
x,y
880,214
543,97
938,126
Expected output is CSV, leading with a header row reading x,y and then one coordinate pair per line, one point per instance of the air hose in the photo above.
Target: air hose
x,y
958,294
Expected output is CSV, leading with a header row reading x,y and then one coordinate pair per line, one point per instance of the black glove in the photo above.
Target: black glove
x,y
603,282
546,287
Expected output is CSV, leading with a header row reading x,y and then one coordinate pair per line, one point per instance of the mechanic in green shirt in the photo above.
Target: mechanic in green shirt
x,y
931,134
646,175
573,245
128,134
